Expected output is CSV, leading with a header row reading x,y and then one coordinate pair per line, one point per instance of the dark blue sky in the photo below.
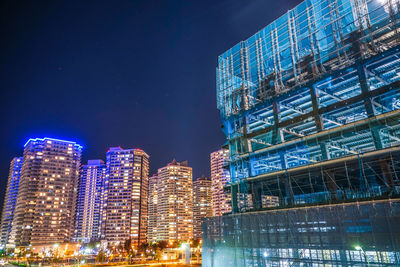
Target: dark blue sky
x,y
139,74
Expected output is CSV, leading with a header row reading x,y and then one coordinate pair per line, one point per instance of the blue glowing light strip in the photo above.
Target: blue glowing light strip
x,y
52,139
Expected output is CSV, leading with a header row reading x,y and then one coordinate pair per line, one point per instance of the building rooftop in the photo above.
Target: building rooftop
x,y
176,163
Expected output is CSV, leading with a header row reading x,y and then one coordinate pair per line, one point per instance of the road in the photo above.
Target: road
x,y
169,264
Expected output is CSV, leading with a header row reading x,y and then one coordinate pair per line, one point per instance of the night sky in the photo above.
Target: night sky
x,y
135,74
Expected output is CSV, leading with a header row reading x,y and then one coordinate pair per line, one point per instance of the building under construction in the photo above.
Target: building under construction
x,y
311,110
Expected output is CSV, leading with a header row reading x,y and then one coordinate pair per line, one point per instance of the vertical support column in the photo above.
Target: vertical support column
x,y
317,65
364,185
343,258
316,114
277,60
260,61
232,104
292,39
333,25
362,78
247,147
296,256
276,138
256,191
245,142
234,200
318,121
245,75
288,189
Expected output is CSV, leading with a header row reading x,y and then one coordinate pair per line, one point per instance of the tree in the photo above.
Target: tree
x,y
127,246
143,247
101,257
162,244
196,243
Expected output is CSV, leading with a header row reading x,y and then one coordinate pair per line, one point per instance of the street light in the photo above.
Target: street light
x,y
359,248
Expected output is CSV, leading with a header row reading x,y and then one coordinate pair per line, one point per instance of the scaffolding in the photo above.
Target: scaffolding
x,y
373,175
310,42
337,98
326,235
310,106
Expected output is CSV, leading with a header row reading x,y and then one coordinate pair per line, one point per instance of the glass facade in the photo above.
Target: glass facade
x,y
311,109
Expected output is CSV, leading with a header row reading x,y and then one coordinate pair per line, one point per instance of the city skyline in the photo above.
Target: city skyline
x,y
287,113
106,67
88,158
112,200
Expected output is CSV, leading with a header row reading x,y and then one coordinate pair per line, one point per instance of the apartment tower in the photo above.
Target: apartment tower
x,y
153,202
219,178
10,200
175,202
202,197
45,207
126,196
90,202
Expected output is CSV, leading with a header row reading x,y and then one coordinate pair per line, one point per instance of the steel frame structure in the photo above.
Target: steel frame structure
x,y
338,98
310,107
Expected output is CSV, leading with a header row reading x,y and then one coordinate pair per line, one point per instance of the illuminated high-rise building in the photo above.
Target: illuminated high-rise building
x,y
90,204
153,202
45,207
219,178
175,202
127,191
10,200
202,197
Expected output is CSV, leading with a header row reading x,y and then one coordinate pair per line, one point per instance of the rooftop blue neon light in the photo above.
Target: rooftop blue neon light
x,y
52,139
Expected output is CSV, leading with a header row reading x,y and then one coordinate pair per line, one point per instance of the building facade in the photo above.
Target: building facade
x,y
126,199
45,207
90,202
219,178
202,203
153,203
175,202
310,108
10,200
